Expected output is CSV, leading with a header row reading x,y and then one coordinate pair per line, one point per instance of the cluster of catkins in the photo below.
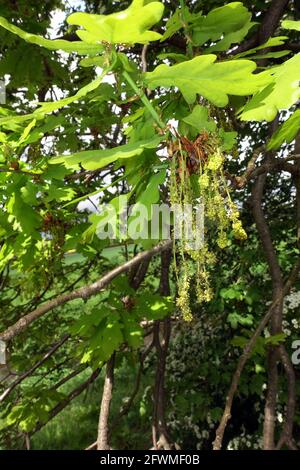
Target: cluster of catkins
x,y
221,216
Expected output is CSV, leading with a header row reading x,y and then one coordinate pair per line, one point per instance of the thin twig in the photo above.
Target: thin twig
x,y
66,401
50,353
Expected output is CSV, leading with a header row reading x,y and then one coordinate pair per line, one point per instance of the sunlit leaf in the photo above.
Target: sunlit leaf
x,y
280,94
214,81
53,45
95,159
229,23
200,120
289,24
286,132
129,26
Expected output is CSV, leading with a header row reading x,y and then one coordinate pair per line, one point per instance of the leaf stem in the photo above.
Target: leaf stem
x,y
144,100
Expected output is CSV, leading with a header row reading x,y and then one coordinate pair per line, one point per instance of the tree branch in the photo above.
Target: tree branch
x,y
267,27
286,437
50,353
287,432
253,171
162,334
69,398
103,431
247,353
82,293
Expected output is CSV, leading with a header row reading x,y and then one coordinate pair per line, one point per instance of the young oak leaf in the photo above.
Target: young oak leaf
x,y
129,26
214,81
51,106
230,23
281,93
223,26
200,120
286,132
53,45
95,159
289,24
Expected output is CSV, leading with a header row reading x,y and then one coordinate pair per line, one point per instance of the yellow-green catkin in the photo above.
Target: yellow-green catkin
x,y
221,215
183,299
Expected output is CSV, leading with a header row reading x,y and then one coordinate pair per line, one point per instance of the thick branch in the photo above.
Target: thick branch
x,y
276,321
124,411
138,274
266,241
286,437
81,293
297,185
267,27
103,431
253,171
271,20
287,432
162,333
271,399
247,353
161,439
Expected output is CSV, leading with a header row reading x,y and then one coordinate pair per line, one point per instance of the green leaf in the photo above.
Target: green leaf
x,y
274,340
26,133
235,318
173,56
241,341
227,25
200,120
49,107
53,45
154,306
282,93
287,132
216,414
107,338
230,22
129,26
23,214
178,20
133,332
270,55
233,292
289,24
51,123
214,81
29,193
95,159
57,172
85,324
99,222
6,254
272,42
56,193
228,138
151,193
